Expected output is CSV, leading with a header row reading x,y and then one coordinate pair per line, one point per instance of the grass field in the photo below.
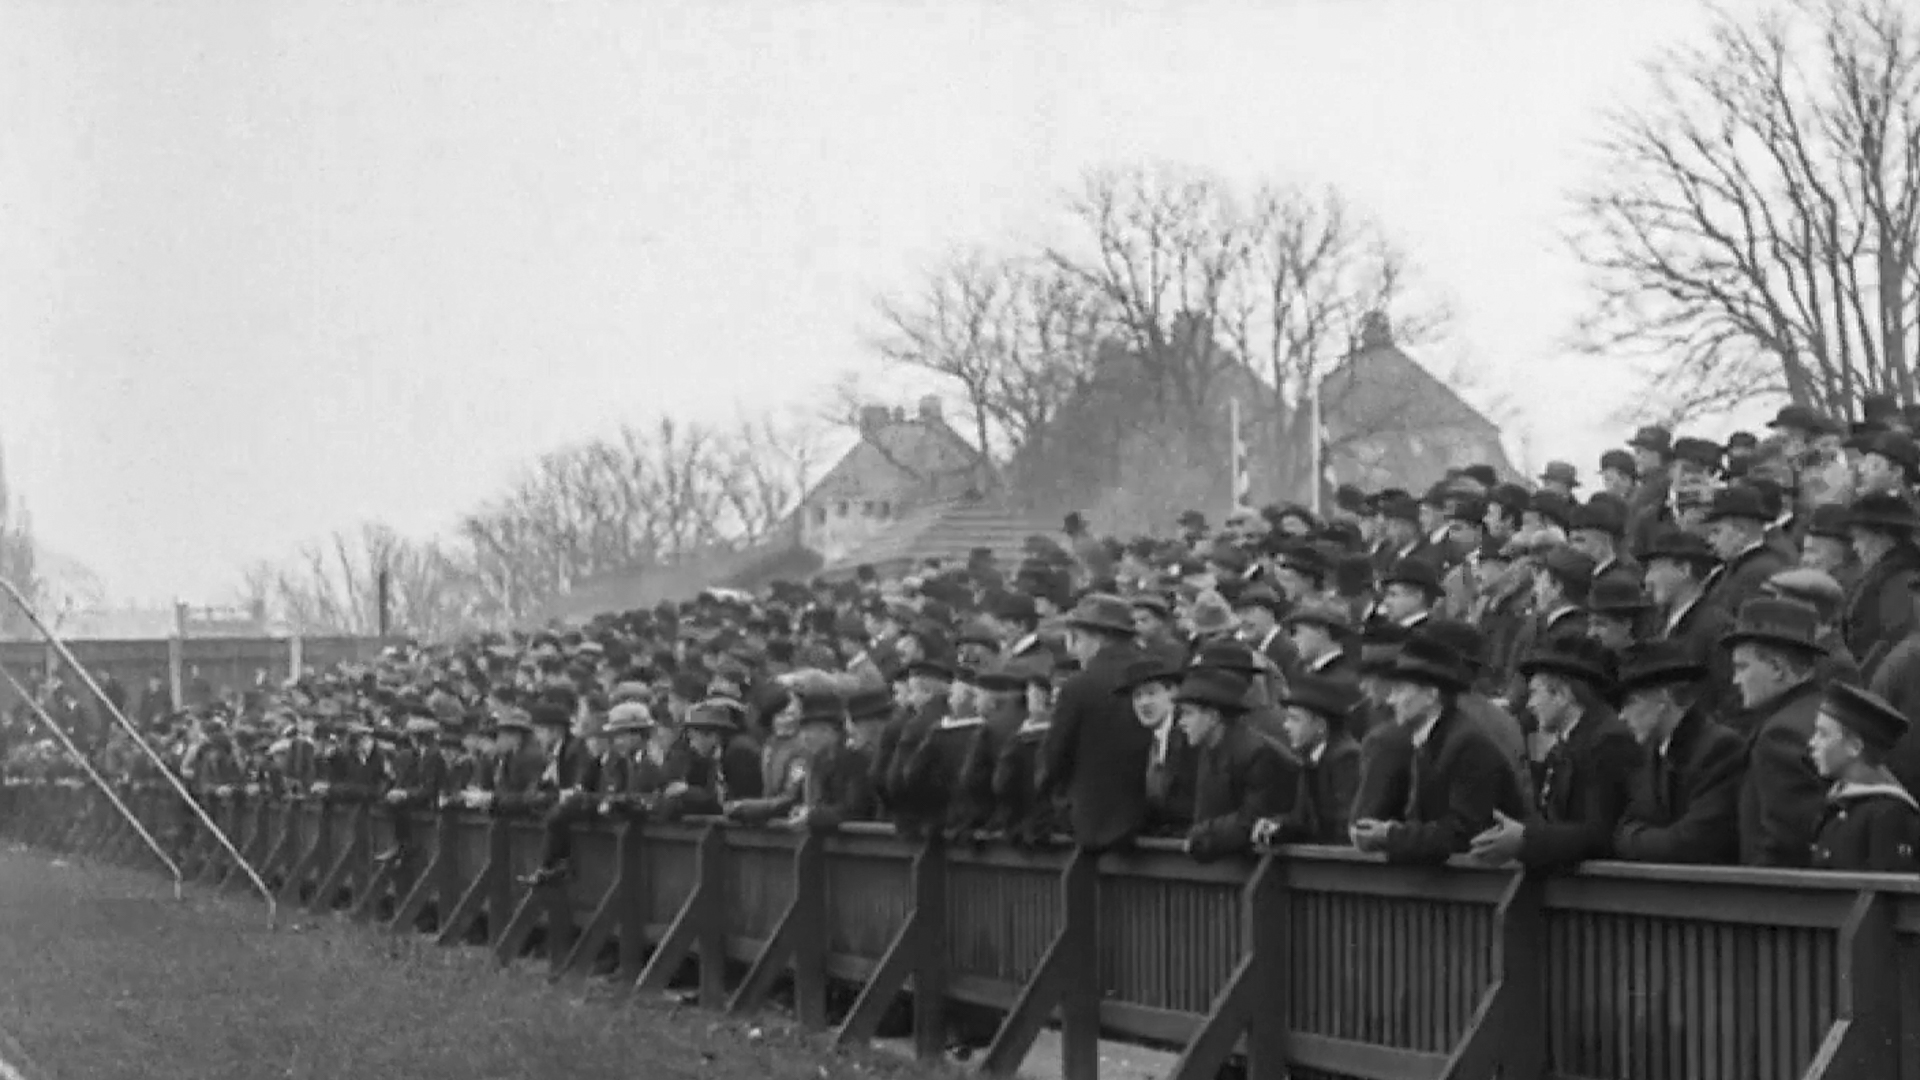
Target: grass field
x,y
103,976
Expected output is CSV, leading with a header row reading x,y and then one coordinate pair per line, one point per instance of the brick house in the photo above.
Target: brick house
x,y
901,463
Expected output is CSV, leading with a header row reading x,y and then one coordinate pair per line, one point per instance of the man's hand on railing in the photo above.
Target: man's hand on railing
x,y
1264,832
319,789
252,790
223,791
1369,834
1499,843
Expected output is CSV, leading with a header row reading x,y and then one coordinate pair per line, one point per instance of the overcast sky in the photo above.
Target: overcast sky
x,y
273,267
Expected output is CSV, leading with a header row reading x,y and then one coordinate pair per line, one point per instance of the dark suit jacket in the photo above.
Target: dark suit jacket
x,y
1685,804
1385,773
1701,627
1584,788
1458,779
1879,609
1243,777
1741,580
1782,797
1096,753
1323,795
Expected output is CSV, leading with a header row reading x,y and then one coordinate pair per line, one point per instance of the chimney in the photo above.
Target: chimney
x,y
872,419
1376,332
930,408
899,415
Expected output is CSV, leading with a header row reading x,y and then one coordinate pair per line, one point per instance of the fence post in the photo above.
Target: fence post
x,y
176,664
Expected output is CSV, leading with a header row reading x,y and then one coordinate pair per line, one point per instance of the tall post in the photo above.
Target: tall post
x,y
383,589
1236,458
1317,451
176,658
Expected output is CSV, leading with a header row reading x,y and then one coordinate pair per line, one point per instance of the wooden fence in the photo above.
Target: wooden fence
x,y
223,662
1316,962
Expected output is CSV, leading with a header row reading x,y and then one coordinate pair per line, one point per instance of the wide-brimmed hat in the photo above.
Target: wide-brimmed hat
x,y
1417,572
1429,661
1102,611
1652,437
1679,545
1883,513
1618,594
1779,622
512,720
1571,657
1560,472
1258,595
1332,698
713,714
1000,676
628,716
1215,688
1801,417
1660,663
549,714
1150,669
1227,654
822,708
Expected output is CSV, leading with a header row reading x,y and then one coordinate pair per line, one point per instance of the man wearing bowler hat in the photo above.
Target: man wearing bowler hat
x,y
1879,610
1684,806
1319,711
1457,776
1872,823
1585,776
1737,521
1096,753
1776,650
1242,776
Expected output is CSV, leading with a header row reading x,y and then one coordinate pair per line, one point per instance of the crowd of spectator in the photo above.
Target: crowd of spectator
x,y
1710,657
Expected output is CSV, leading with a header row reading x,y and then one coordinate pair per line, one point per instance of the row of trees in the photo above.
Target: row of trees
x,y
646,496
19,563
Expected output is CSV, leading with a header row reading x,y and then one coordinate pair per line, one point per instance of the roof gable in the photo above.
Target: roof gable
x,y
903,460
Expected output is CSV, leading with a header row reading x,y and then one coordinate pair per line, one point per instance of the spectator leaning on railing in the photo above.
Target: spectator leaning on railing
x,y
1425,674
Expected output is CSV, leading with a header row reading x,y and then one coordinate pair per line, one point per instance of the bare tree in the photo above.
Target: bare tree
x,y
1015,337
1163,247
19,561
1753,229
333,588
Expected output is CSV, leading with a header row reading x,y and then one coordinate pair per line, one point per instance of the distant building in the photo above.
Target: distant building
x,y
1391,423
902,462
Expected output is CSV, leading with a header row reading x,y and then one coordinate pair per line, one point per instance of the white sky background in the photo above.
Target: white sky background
x,y
273,267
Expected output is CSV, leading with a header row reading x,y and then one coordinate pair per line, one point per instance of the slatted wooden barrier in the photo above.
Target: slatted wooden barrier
x,y
1318,962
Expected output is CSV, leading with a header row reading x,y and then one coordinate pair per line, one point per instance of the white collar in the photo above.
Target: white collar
x,y
1416,619
1319,749
1326,661
1849,789
1425,731
1680,612
1267,638
954,723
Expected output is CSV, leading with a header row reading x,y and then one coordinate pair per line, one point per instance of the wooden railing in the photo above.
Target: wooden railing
x,y
1316,962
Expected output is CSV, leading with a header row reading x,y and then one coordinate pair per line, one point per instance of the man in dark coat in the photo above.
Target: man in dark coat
x,y
1879,610
1317,718
1737,523
1096,752
722,763
1243,776
1678,567
1685,802
1586,776
564,795
1458,776
1776,649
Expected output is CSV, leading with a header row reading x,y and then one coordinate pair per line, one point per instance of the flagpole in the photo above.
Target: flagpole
x,y
1234,464
1318,451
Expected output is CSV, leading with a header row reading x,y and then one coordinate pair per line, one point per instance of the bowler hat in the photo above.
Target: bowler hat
x,y
628,716
1620,461
1660,663
1810,586
1870,717
1571,657
1427,660
1598,515
1828,520
1778,622
1560,472
1216,688
1799,417
512,719
1331,698
549,714
1102,611
1227,654
1258,595
1739,501
1000,677
1700,452
1652,437
1568,564
1617,594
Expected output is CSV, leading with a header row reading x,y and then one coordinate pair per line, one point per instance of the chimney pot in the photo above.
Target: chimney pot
x,y
872,418
930,408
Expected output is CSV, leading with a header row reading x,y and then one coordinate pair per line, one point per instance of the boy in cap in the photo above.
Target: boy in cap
x,y
628,777
1149,685
721,765
1871,823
